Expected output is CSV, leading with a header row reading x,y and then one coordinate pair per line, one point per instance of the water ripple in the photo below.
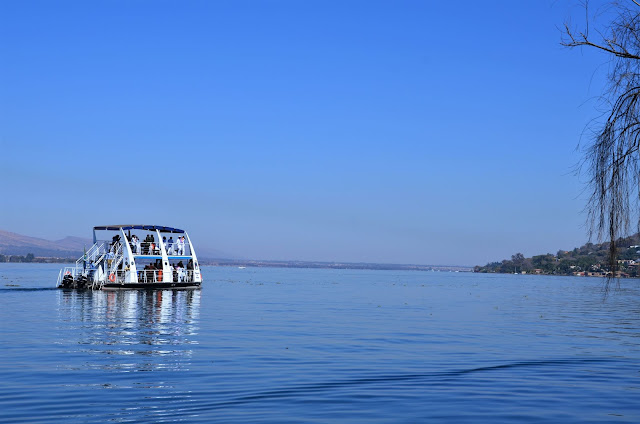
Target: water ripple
x,y
434,377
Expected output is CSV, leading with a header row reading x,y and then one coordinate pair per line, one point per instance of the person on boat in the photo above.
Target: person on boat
x,y
180,246
145,245
115,242
150,242
180,272
92,270
135,244
170,246
143,274
151,272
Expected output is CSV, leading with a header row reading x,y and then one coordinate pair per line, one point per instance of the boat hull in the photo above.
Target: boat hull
x,y
152,286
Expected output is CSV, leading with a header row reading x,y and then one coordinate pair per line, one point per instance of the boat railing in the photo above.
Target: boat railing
x,y
94,254
149,276
157,275
188,275
72,271
114,258
115,276
178,250
153,249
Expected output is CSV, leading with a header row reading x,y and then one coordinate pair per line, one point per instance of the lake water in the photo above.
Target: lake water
x,y
302,345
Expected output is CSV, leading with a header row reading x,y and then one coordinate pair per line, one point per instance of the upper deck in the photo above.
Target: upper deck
x,y
147,241
129,227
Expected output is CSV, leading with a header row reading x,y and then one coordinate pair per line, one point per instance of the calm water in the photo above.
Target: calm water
x,y
288,345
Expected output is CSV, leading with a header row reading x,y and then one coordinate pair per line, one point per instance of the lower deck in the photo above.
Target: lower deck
x,y
152,286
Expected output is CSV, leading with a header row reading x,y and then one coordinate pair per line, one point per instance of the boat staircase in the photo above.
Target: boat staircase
x,y
96,254
116,259
100,256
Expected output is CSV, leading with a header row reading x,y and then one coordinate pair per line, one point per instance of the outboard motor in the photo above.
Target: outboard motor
x,y
67,282
82,282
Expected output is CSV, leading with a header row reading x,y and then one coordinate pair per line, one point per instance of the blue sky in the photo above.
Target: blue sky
x,y
367,131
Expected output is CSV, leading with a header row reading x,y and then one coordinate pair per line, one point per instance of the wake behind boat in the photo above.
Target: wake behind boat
x,y
135,257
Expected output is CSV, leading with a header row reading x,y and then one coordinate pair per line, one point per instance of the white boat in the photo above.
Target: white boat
x,y
135,257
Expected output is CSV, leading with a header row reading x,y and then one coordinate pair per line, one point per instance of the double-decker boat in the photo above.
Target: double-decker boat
x,y
135,257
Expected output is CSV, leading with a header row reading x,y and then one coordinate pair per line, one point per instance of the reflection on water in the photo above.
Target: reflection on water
x,y
287,345
132,330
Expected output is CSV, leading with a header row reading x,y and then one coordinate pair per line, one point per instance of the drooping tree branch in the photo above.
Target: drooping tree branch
x,y
613,158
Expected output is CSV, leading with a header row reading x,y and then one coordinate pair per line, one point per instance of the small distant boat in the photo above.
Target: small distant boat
x,y
241,267
135,257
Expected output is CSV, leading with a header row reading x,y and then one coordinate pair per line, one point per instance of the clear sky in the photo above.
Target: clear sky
x,y
430,132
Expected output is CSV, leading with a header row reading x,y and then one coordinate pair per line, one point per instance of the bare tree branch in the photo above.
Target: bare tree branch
x,y
613,158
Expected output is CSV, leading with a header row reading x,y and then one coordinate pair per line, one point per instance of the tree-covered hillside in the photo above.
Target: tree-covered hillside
x,y
589,259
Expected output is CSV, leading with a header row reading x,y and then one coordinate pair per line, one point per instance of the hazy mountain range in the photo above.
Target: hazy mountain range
x,y
17,244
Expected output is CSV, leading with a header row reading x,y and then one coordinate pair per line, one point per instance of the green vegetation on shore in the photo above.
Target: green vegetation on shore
x,y
30,258
589,260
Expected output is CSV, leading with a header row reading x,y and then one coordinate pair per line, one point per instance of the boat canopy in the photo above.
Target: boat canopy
x,y
160,228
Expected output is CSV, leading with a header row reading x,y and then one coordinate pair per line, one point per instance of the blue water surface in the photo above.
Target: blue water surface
x,y
311,345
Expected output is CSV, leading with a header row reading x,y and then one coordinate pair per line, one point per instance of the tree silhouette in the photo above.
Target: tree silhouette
x,y
612,160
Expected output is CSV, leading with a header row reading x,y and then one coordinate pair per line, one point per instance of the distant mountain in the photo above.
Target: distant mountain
x,y
18,244
74,243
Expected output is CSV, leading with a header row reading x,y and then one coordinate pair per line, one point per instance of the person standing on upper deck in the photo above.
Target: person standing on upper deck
x,y
180,246
135,244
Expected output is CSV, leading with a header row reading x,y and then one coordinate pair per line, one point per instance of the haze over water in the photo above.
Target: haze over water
x,y
297,345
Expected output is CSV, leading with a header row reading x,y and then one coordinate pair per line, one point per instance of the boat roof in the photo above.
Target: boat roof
x,y
160,228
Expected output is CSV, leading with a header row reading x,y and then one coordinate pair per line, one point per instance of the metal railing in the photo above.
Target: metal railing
x,y
155,275
89,275
114,259
147,248
93,254
119,276
148,276
73,271
178,249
